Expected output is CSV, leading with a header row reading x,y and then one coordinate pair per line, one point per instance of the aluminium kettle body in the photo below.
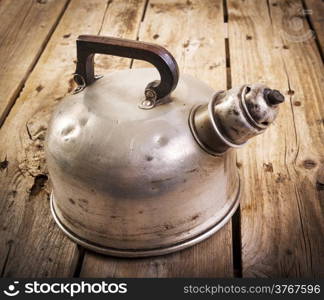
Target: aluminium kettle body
x,y
142,166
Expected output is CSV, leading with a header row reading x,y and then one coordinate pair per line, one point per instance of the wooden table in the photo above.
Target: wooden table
x,y
278,230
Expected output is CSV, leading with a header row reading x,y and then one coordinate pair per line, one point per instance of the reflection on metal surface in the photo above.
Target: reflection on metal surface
x,y
145,252
135,182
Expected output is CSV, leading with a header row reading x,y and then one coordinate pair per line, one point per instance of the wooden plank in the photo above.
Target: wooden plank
x,y
31,244
315,10
203,260
191,30
281,214
122,20
24,30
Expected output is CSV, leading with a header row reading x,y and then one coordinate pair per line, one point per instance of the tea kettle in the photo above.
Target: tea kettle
x,y
142,162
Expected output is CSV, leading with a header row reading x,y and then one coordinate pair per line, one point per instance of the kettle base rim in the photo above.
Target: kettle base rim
x,y
148,252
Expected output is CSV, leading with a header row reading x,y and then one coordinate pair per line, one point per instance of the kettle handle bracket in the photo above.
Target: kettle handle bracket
x,y
89,45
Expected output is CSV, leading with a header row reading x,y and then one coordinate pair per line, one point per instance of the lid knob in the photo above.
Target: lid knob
x,y
273,97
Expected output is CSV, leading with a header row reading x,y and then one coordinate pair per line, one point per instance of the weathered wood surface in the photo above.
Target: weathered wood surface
x,y
24,31
283,169
282,219
315,11
31,244
191,46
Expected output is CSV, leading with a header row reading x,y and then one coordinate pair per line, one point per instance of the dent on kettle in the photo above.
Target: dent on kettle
x,y
142,166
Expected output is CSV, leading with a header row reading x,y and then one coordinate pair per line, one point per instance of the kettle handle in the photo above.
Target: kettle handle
x,y
88,45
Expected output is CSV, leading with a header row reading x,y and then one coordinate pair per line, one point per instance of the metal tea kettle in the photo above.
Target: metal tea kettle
x,y
142,162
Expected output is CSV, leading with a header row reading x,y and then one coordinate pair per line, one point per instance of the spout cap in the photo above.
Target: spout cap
x,y
273,97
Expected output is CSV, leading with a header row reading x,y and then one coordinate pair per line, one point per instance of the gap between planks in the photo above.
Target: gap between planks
x,y
82,250
236,243
311,20
193,252
24,204
236,218
21,85
271,248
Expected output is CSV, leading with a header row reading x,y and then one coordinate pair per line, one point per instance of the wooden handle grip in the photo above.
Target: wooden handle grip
x,y
88,45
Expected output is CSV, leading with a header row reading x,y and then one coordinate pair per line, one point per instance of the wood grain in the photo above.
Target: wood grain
x,y
122,21
188,30
31,244
283,169
281,214
24,30
316,15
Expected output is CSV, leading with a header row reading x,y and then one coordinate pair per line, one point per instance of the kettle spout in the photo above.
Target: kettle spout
x,y
234,116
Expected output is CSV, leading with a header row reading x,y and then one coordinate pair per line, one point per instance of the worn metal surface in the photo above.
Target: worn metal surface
x,y
132,182
232,117
128,178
